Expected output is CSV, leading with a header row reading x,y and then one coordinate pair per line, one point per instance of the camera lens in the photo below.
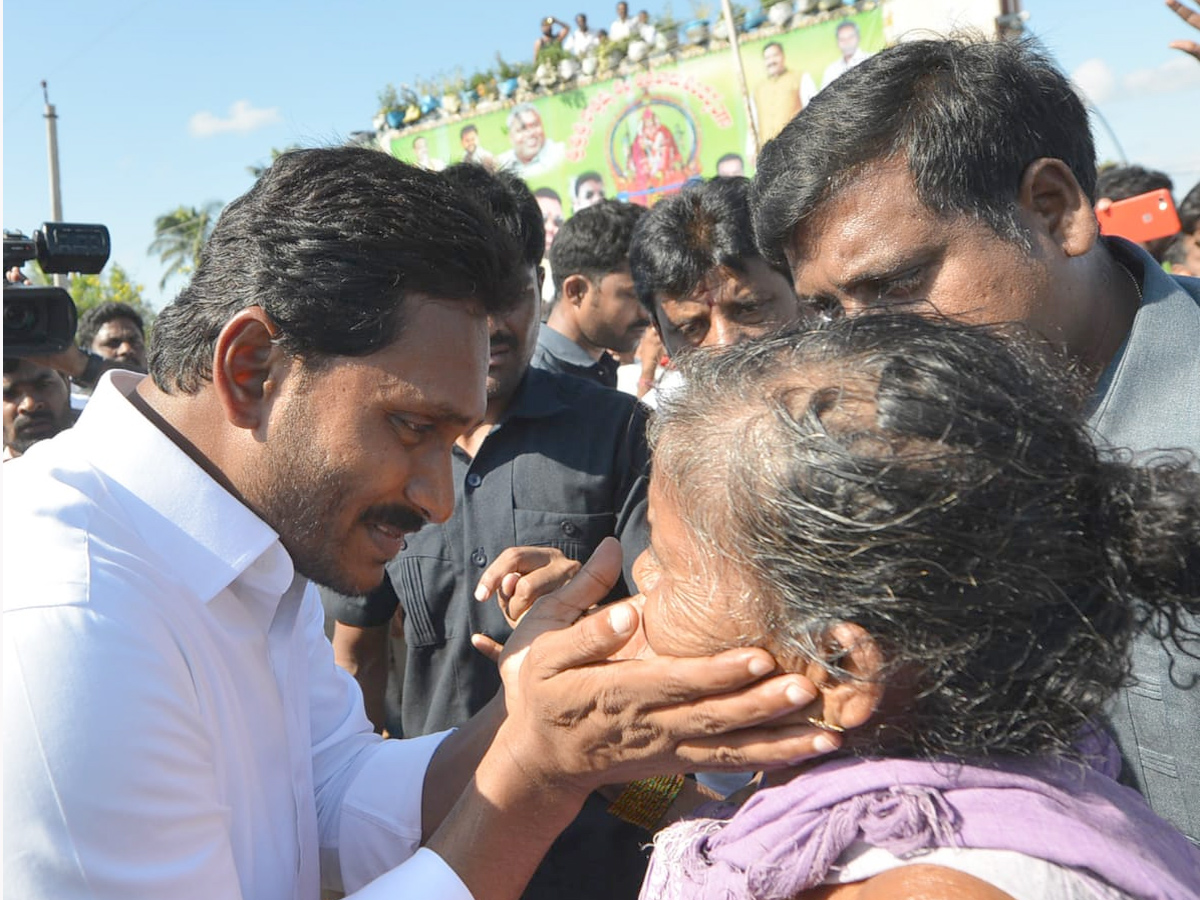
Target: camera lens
x,y
19,315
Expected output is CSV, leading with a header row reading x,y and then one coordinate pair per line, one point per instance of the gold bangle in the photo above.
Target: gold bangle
x,y
825,726
645,802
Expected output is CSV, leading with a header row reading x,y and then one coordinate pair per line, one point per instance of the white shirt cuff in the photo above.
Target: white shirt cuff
x,y
424,875
381,810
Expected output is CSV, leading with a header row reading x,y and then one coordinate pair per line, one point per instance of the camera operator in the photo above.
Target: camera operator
x,y
82,367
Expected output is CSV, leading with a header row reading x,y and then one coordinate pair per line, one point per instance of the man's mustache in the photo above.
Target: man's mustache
x,y
502,342
396,516
30,420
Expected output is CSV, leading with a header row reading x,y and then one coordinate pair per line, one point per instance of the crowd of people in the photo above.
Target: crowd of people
x,y
377,584
582,41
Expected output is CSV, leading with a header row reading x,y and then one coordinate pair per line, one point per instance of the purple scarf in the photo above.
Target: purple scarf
x,y
785,839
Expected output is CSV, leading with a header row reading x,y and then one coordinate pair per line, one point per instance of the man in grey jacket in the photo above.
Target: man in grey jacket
x,y
959,178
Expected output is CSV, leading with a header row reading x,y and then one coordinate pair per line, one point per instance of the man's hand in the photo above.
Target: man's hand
x,y
579,716
576,716
520,575
1192,17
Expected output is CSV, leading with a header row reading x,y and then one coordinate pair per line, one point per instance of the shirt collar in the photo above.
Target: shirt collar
x,y
209,536
564,348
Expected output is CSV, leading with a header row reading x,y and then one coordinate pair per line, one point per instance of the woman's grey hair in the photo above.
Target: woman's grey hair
x,y
934,483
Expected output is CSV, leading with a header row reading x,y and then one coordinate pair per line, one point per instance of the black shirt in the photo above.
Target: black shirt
x,y
555,352
565,467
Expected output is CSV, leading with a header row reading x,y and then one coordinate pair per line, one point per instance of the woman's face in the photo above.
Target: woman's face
x,y
691,596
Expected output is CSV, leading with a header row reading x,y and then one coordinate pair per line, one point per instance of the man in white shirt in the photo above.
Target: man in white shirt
x,y
582,41
175,724
849,53
643,30
622,26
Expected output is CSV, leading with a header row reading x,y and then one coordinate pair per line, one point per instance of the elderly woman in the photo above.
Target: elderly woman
x,y
912,515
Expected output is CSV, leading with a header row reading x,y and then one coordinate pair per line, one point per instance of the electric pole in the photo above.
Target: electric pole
x,y
55,187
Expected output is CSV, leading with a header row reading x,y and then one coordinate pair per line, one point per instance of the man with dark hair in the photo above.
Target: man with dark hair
x,y
115,331
731,165
622,26
532,153
174,721
557,464
778,96
1116,183
549,36
582,41
37,405
695,267
960,177
1184,253
596,309
473,152
850,54
588,191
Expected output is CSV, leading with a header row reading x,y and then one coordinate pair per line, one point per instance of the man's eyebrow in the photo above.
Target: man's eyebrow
x,y
883,270
448,413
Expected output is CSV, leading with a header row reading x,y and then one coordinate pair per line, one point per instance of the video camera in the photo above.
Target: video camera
x,y
41,320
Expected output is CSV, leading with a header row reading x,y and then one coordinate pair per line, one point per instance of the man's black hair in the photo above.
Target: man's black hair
x,y
703,227
967,116
509,201
467,129
588,176
594,241
1123,182
548,193
100,315
1189,210
771,44
728,157
330,243
846,23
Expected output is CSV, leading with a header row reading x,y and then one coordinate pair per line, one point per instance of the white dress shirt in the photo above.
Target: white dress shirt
x,y
580,43
621,29
841,66
175,725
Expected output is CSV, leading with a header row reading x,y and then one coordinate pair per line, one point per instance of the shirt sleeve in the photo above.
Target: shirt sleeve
x,y
380,828
368,790
88,811
424,875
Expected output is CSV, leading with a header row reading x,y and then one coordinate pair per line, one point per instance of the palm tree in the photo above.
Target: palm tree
x,y
179,237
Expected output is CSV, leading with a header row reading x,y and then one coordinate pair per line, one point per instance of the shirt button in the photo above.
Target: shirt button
x,y
479,557
569,529
474,480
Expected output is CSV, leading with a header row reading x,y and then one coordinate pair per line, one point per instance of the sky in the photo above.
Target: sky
x,y
162,103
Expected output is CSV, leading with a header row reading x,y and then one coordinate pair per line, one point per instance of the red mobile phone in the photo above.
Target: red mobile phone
x,y
1141,218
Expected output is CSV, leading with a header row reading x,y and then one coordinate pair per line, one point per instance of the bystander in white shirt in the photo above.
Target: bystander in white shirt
x,y
842,65
580,43
621,29
175,725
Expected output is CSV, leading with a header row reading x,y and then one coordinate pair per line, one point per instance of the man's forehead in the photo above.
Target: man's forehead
x,y
120,323
26,371
873,212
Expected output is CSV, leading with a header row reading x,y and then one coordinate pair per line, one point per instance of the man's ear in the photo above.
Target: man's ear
x,y
245,364
541,278
849,700
575,288
1050,193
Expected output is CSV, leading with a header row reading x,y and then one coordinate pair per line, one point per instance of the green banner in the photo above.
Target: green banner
x,y
640,136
